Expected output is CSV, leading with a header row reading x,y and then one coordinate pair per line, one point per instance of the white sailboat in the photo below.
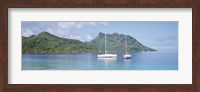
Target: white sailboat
x,y
127,56
107,55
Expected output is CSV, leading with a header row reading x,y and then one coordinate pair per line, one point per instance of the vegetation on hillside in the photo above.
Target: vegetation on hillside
x,y
48,43
116,43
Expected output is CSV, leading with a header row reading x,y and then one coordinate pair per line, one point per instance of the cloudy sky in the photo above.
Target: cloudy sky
x,y
162,36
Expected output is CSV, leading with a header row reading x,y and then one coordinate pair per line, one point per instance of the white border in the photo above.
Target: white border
x,y
182,76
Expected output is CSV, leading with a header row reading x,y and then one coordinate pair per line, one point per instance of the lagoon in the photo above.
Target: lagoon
x,y
89,61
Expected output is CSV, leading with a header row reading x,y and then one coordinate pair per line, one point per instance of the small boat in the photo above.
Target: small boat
x,y
127,56
107,55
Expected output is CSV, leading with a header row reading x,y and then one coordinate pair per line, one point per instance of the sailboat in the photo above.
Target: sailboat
x,y
127,56
105,55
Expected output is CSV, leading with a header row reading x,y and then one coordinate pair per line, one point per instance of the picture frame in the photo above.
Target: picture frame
x,y
5,87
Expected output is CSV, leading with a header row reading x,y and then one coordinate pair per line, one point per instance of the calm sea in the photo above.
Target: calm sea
x,y
89,61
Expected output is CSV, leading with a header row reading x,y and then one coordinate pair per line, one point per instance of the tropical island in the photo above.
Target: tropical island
x,y
49,43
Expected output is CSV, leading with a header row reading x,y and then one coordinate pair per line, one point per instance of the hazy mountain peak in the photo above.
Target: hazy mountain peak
x,y
101,34
115,33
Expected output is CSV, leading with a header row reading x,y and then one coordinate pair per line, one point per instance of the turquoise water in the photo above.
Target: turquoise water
x,y
89,61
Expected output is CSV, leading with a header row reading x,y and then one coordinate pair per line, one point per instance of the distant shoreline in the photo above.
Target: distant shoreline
x,y
95,53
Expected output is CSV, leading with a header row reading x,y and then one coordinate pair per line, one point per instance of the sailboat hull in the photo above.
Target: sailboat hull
x,y
107,56
127,56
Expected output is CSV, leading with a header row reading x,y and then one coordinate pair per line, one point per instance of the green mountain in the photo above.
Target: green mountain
x,y
116,43
48,43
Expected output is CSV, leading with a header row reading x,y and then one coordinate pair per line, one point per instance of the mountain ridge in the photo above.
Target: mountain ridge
x,y
45,42
115,41
48,43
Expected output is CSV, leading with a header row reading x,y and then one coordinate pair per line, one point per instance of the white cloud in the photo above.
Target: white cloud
x,y
70,30
58,32
64,29
67,25
89,37
27,32
71,36
49,30
64,33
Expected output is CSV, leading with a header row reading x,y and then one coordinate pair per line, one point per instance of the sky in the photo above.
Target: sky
x,y
162,36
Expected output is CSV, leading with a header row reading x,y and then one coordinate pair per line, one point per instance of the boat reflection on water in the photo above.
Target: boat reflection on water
x,y
127,61
107,62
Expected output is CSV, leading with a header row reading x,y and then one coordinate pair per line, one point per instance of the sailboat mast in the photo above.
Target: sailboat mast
x,y
105,42
126,44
